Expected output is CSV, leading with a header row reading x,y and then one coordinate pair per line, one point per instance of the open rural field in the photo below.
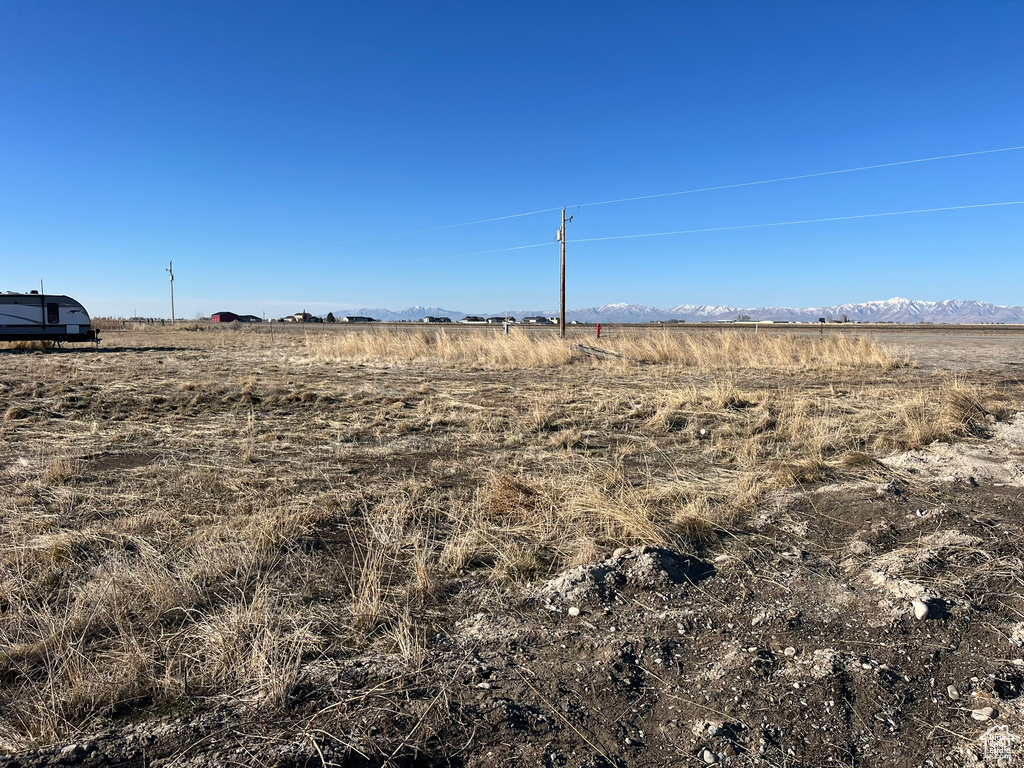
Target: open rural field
x,y
415,547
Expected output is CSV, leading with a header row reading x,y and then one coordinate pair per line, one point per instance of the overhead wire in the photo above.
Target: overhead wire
x,y
465,223
797,221
695,190
798,177
721,229
474,253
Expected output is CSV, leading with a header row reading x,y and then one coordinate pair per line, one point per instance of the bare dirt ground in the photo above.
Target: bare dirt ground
x,y
219,549
964,348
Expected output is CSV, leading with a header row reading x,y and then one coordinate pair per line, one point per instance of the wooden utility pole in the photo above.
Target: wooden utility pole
x,y
561,303
170,271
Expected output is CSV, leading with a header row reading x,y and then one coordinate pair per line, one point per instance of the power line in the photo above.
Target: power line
x,y
454,226
467,223
691,192
474,253
795,178
798,221
719,229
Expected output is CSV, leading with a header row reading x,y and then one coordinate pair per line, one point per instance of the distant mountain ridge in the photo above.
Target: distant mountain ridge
x,y
895,310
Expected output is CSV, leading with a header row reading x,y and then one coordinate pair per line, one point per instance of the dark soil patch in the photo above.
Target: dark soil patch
x,y
107,462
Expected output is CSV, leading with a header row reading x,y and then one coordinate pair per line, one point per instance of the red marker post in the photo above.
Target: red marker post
x,y
599,330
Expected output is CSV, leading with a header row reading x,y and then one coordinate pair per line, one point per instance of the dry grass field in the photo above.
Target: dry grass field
x,y
362,548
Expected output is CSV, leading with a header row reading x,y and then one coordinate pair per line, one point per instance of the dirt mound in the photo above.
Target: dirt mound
x,y
639,568
997,460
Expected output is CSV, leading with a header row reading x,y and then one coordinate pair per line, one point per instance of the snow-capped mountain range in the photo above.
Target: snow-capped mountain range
x,y
897,310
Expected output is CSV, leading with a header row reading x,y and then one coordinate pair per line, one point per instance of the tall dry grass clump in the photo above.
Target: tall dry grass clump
x,y
101,620
954,411
734,350
518,349
28,345
108,323
704,351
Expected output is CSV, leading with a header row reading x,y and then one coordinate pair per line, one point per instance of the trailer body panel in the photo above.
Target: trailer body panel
x,y
37,317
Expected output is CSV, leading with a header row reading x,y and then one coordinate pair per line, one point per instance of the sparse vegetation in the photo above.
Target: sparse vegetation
x,y
28,346
233,520
526,349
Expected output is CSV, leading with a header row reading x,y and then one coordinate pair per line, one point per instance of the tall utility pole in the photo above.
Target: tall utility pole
x,y
561,293
170,271
561,302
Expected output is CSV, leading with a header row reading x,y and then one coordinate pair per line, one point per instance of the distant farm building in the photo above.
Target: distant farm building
x,y
431,319
356,319
224,317
472,319
537,320
500,320
249,319
302,317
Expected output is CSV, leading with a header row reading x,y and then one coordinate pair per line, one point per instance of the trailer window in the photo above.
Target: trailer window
x,y
52,312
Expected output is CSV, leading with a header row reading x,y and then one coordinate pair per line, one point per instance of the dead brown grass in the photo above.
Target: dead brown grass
x,y
28,346
174,539
155,326
108,324
530,349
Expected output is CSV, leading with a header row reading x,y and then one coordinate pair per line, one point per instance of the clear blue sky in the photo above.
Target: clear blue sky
x,y
274,150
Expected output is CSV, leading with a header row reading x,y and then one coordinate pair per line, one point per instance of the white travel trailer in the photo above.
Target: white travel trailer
x,y
33,316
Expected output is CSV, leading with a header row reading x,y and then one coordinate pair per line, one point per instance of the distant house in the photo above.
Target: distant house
x,y
431,319
224,317
356,319
500,320
472,319
302,317
537,320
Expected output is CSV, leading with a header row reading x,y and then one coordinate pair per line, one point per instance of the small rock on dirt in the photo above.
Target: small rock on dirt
x,y
709,757
952,692
985,713
920,610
